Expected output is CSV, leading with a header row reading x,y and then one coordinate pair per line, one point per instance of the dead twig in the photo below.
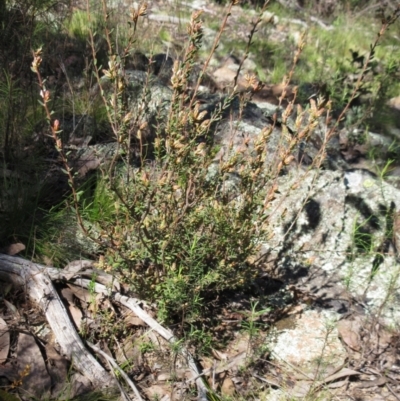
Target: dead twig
x,y
115,366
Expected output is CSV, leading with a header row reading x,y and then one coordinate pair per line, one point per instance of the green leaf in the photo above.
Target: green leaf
x,y
79,194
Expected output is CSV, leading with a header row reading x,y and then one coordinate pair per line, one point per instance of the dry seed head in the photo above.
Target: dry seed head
x,y
196,115
162,180
313,105
167,145
288,111
45,94
145,178
195,16
142,10
196,25
253,82
285,80
128,117
259,147
302,133
37,60
196,111
271,194
266,132
107,74
200,150
121,86
205,124
302,41
36,63
177,78
288,160
38,52
201,115
56,125
175,68
178,145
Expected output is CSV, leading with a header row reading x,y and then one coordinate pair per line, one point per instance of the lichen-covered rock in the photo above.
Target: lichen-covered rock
x,y
312,344
337,230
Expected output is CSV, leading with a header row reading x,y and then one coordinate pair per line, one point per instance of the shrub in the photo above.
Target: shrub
x,y
182,219
184,224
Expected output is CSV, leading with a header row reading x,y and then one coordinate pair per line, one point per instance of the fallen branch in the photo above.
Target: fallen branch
x,y
40,289
22,272
167,335
115,366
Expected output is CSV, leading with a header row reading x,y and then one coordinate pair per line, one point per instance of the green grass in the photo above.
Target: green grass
x,y
79,24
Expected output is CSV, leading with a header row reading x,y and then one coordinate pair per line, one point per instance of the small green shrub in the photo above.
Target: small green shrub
x,y
80,24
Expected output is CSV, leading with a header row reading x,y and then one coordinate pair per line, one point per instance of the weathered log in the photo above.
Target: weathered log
x,y
39,288
37,280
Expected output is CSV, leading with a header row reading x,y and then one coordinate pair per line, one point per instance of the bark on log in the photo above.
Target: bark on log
x,y
39,288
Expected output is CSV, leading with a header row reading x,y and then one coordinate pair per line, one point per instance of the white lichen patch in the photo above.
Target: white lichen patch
x,y
312,346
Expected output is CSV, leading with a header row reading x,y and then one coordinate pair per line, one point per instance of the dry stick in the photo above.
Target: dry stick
x,y
20,272
115,365
133,304
167,335
393,392
121,389
39,287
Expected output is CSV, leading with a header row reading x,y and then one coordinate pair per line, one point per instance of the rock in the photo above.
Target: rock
x,y
137,61
313,346
338,235
240,129
162,67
